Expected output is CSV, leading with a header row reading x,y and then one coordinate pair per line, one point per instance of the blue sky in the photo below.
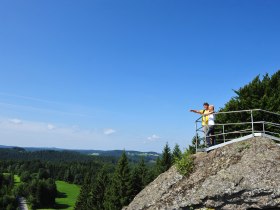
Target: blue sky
x,y
104,74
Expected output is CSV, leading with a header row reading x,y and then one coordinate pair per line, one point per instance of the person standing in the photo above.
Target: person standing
x,y
205,117
210,138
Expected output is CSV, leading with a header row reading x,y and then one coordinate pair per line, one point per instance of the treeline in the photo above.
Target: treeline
x,y
107,183
17,153
260,93
114,190
36,186
40,171
8,199
39,192
72,172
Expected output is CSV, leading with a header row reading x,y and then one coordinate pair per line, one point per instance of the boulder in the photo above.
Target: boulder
x,y
239,176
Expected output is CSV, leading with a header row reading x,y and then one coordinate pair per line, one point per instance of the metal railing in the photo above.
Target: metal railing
x,y
235,124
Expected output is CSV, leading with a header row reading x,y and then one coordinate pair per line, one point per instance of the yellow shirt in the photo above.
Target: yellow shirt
x,y
204,118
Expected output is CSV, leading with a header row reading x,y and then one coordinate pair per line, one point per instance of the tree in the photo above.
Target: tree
x,y
82,201
143,173
258,94
177,153
25,176
135,184
138,179
166,159
118,194
99,190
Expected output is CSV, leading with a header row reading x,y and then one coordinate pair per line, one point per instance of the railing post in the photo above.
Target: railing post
x,y
252,120
224,133
196,140
263,128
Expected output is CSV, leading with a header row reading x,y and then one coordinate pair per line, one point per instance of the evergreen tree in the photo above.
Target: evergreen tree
x,y
99,190
82,201
135,185
118,194
158,169
143,173
258,94
166,159
138,179
177,153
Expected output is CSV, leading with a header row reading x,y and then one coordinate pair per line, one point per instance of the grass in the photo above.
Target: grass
x,y
67,195
16,180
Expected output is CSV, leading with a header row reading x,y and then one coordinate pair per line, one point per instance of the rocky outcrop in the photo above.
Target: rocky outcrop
x,y
244,175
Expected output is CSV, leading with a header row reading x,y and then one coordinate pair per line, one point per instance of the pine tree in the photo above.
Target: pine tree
x,y
118,194
138,179
99,190
166,159
82,201
135,185
143,173
177,153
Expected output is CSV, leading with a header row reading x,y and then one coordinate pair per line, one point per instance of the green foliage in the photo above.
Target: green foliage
x,y
135,183
177,153
165,162
7,196
258,94
185,165
119,190
82,201
99,190
243,146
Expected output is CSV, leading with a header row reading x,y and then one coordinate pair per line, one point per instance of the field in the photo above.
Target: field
x,y
67,195
16,179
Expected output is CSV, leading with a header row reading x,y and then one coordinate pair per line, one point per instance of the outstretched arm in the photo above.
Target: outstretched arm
x,y
195,111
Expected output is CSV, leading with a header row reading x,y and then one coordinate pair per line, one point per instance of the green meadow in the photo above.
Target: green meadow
x,y
16,179
67,195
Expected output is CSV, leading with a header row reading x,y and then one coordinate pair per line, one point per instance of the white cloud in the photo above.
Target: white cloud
x,y
50,126
34,133
109,131
154,137
15,121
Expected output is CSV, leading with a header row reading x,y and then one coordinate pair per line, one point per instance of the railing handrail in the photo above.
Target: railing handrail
x,y
249,130
240,111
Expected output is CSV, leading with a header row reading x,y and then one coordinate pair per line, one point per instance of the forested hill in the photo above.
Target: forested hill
x,y
54,154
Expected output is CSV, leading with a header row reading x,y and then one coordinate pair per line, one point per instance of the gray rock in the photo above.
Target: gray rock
x,y
244,175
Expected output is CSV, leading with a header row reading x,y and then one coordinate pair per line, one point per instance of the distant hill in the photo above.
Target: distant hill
x,y
102,153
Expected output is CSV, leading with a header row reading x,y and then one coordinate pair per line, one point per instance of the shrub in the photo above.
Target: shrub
x,y
185,164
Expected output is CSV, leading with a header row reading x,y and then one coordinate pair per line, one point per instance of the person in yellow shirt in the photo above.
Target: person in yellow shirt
x,y
205,117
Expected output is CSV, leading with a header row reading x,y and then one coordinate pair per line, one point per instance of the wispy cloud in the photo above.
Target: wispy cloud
x,y
15,121
33,133
28,98
154,137
50,126
109,131
24,107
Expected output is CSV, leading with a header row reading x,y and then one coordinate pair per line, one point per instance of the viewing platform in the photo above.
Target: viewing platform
x,y
237,126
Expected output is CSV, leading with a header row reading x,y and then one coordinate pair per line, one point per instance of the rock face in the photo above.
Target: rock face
x,y
244,175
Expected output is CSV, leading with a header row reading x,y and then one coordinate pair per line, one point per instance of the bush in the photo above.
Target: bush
x,y
185,164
